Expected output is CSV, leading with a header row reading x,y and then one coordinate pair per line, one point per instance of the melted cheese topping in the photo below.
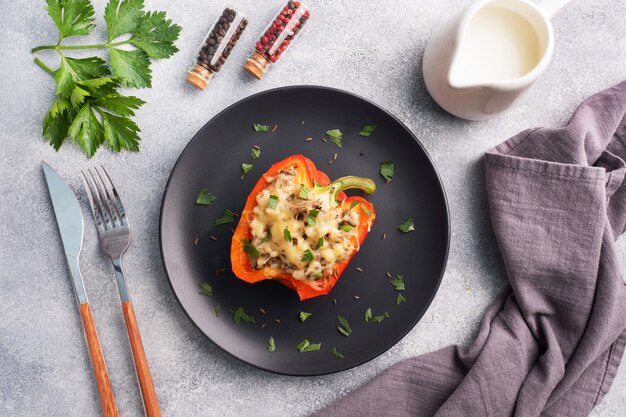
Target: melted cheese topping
x,y
268,226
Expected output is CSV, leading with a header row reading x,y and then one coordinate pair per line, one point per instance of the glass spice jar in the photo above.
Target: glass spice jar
x,y
216,47
277,37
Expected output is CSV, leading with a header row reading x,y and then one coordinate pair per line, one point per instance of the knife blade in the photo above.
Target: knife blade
x,y
70,222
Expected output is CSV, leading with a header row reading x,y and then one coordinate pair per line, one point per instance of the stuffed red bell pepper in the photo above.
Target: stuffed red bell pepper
x,y
300,228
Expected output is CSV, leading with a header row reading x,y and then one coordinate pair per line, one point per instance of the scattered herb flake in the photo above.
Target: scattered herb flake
x,y
398,283
337,354
367,130
271,345
345,227
400,299
368,314
306,346
287,234
255,152
304,192
266,238
317,275
311,218
386,170
250,249
407,226
354,204
335,136
304,315
228,217
320,243
205,198
206,289
272,202
307,256
260,128
366,210
378,319
344,327
240,315
245,168
217,310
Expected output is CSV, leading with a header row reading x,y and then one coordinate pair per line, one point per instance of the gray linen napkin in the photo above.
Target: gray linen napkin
x,y
550,345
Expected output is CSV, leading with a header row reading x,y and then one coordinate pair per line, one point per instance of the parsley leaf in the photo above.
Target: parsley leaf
x,y
87,131
271,345
335,136
122,17
320,243
205,198
378,319
368,314
57,122
132,66
122,105
366,210
260,128
386,170
307,256
304,192
255,152
73,70
120,132
306,346
206,289
407,226
287,234
245,168
228,217
155,35
73,18
272,202
345,227
337,354
398,283
400,299
344,327
354,204
250,249
367,130
240,315
311,217
304,315
217,310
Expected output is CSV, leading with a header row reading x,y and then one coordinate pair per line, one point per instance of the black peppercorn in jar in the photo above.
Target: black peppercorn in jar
x,y
277,37
216,47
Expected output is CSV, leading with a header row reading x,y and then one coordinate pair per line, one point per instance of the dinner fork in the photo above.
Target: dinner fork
x,y
114,235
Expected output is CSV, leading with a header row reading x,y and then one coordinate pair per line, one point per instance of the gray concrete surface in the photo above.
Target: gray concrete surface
x,y
372,48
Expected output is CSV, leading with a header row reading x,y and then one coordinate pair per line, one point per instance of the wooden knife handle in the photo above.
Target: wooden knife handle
x,y
107,400
148,393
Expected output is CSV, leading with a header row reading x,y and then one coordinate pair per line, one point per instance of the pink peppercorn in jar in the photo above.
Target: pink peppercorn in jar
x,y
216,47
277,37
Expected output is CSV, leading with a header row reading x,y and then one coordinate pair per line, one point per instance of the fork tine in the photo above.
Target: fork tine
x,y
104,209
95,207
109,199
117,199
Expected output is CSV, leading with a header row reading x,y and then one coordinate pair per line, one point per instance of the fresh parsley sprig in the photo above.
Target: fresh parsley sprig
x,y
89,108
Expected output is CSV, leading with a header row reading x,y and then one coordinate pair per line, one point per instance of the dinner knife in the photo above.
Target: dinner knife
x,y
70,223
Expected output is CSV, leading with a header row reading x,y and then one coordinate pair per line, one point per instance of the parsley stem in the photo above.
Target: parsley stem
x,y
44,66
69,47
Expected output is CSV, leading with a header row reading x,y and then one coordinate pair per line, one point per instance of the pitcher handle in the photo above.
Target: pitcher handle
x,y
551,7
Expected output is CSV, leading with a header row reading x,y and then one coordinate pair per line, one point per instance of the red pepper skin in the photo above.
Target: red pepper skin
x,y
306,174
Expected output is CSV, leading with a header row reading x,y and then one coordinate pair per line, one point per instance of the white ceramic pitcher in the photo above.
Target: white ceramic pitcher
x,y
478,63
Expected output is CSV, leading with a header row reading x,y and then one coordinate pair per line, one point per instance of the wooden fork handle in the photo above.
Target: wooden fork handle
x,y
148,393
107,400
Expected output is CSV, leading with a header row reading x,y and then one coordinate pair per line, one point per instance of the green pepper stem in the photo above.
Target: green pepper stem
x,y
366,185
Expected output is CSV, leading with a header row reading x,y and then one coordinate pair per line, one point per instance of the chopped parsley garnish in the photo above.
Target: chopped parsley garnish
x,y
367,130
407,226
250,249
354,204
400,299
306,346
255,152
245,168
378,319
228,217
317,275
217,310
366,210
272,202
205,198
304,192
311,218
344,327
266,238
335,136
307,256
320,243
206,289
271,345
260,128
240,315
345,227
386,170
368,314
337,354
287,234
398,283
304,315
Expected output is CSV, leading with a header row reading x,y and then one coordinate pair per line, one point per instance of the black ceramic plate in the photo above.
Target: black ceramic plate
x,y
213,160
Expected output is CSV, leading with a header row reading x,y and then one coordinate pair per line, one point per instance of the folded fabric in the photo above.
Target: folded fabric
x,y
552,343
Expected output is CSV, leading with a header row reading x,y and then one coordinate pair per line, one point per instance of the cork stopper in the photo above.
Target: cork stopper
x,y
198,76
257,65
